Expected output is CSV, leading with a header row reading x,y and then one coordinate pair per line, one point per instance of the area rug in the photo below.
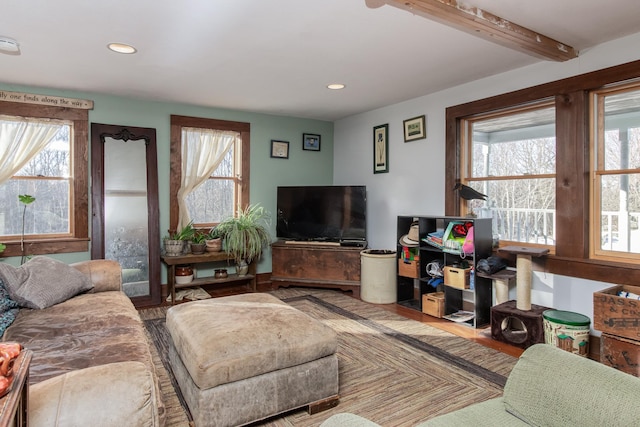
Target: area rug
x,y
392,370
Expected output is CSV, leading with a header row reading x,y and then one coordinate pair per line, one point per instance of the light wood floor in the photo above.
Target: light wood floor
x,y
481,336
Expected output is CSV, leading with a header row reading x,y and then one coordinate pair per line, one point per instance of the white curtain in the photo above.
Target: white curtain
x,y
202,152
20,141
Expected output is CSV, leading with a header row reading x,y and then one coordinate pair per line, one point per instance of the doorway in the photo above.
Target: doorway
x,y
125,217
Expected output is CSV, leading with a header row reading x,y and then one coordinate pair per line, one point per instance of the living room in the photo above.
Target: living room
x,y
416,183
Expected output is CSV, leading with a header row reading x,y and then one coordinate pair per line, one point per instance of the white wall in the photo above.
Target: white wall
x,y
415,182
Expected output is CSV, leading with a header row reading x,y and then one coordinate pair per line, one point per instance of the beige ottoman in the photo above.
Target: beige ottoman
x,y
243,358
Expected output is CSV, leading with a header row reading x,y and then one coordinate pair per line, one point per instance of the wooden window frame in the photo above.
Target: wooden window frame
x,y
573,167
79,197
597,112
177,123
467,176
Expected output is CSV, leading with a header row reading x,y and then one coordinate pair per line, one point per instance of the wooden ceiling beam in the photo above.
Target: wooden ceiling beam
x,y
486,25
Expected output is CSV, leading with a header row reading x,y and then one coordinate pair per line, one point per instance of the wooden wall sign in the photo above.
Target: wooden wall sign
x,y
57,101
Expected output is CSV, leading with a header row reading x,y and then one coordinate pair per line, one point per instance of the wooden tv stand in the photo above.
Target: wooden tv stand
x,y
317,265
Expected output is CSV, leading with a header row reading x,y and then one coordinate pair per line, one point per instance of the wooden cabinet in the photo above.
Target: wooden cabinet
x,y
414,279
316,265
206,258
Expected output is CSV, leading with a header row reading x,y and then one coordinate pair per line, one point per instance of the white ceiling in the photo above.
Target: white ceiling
x,y
277,56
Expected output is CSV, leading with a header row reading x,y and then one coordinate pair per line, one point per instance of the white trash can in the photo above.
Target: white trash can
x,y
378,276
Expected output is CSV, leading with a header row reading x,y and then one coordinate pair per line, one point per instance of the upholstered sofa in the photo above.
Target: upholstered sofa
x,y
91,362
547,387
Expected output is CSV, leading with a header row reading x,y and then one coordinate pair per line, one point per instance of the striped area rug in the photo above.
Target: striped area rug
x,y
393,371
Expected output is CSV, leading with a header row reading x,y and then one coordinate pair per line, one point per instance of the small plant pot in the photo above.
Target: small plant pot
x,y
213,245
242,268
198,248
173,247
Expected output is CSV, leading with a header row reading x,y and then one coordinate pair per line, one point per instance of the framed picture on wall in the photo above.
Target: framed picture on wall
x,y
415,128
310,142
381,149
279,149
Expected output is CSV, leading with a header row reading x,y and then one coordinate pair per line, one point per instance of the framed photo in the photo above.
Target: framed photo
x,y
310,142
415,128
381,149
279,149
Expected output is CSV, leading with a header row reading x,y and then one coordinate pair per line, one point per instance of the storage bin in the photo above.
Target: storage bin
x,y
409,268
567,330
433,304
457,277
617,315
378,276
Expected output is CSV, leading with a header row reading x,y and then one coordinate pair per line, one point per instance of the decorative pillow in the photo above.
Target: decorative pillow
x,y
8,309
42,282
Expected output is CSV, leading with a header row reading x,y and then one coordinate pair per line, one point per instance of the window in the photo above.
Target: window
x,y
46,176
616,172
512,159
209,170
218,194
54,172
595,183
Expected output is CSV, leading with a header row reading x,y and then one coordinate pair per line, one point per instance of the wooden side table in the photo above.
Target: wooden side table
x,y
14,406
209,257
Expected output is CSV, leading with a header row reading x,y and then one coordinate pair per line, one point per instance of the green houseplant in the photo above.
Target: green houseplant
x,y
246,234
175,241
198,241
213,240
26,200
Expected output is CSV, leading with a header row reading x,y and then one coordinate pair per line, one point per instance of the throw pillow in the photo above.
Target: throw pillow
x,y
42,282
8,309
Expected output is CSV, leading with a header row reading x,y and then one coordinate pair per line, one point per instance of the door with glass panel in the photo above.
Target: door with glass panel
x,y
125,219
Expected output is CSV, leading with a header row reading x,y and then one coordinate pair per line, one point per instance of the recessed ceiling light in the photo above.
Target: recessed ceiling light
x,y
121,48
10,46
336,86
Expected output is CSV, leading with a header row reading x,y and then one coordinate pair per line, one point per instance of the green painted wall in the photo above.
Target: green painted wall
x,y
302,167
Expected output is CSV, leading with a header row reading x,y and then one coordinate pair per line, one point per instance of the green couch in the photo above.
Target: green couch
x,y
547,387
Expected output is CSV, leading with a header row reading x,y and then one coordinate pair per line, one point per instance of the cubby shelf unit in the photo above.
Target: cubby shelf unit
x,y
477,299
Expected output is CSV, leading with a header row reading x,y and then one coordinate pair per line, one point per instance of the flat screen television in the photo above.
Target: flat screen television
x,y
322,213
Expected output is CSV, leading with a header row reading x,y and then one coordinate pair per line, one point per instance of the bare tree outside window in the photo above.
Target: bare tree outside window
x,y
513,162
616,161
214,200
48,178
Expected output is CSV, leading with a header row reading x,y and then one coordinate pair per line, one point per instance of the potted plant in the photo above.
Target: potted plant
x,y
26,200
198,242
174,243
245,235
213,241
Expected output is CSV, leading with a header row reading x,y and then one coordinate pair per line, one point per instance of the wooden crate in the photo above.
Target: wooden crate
x,y
620,353
616,315
433,304
409,268
457,277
